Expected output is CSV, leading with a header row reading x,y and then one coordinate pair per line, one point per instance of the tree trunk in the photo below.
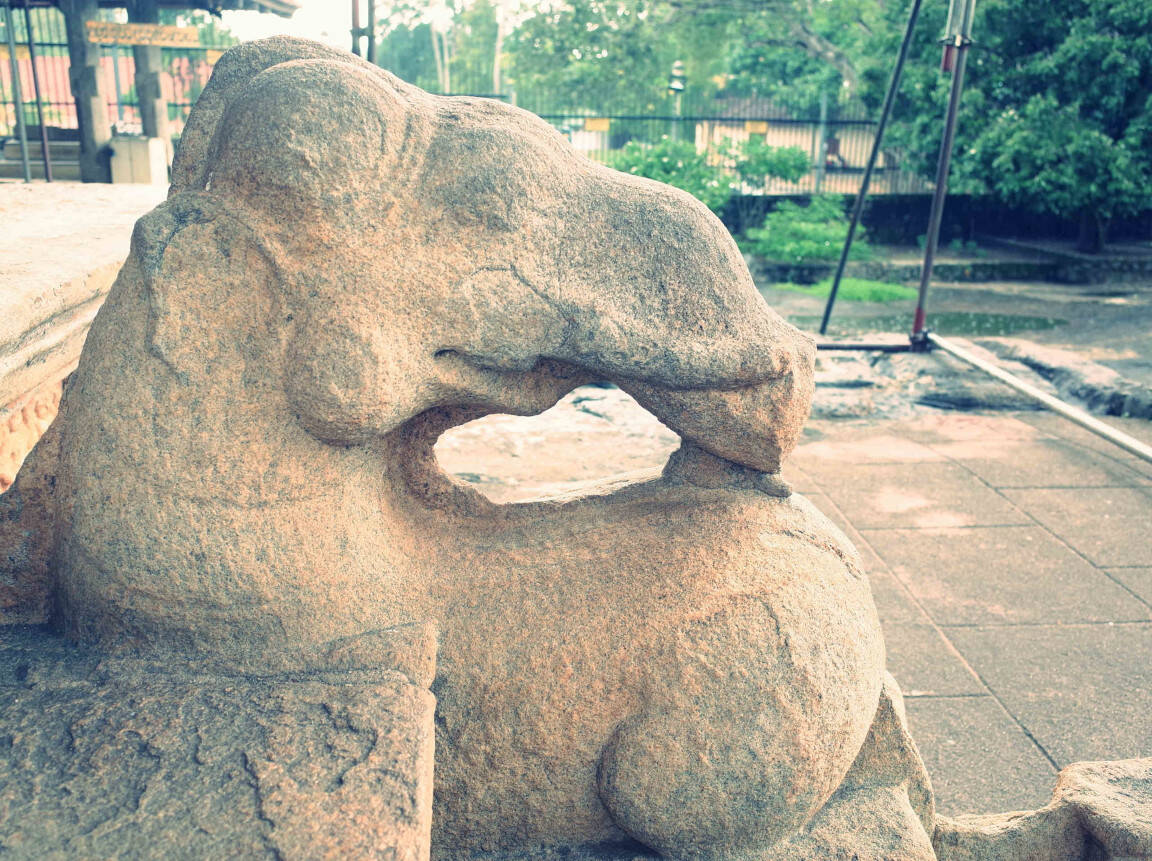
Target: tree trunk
x,y
86,77
436,57
498,49
1093,232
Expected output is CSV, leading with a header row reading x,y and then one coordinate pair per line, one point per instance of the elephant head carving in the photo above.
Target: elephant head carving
x,y
451,250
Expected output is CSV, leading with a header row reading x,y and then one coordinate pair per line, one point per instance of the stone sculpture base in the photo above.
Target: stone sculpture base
x,y
1100,811
123,758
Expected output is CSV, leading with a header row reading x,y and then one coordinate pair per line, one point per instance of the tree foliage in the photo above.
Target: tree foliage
x,y
1056,115
679,164
797,233
1056,112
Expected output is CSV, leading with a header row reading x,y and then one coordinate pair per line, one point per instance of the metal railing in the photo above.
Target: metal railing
x,y
186,72
837,141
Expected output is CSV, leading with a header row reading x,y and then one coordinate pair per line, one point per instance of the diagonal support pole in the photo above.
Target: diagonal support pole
x,y
858,206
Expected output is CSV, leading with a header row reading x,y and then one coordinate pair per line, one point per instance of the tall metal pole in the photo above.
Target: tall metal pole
x,y
956,43
17,91
356,27
371,32
44,150
858,206
822,143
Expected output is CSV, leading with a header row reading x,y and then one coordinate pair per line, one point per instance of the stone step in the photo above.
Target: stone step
x,y
68,170
62,151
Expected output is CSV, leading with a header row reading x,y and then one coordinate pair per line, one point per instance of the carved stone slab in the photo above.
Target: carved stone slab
x,y
115,758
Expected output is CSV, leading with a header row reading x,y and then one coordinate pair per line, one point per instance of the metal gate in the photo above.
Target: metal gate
x,y
34,69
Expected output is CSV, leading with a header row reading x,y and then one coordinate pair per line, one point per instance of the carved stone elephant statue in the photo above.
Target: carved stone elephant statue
x,y
346,266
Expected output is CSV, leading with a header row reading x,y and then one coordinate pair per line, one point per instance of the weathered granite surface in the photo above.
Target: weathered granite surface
x,y
345,268
124,758
1099,811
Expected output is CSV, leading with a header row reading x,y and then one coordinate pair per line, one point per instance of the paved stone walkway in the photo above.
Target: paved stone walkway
x,y
1011,564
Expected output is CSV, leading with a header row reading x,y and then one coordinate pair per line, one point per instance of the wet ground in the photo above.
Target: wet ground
x,y
1110,324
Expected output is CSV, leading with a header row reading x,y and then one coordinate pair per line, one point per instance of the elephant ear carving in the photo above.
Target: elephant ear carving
x,y
229,76
207,287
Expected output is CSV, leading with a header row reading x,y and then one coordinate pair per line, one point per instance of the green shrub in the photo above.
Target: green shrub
x,y
679,164
805,234
758,162
854,290
676,163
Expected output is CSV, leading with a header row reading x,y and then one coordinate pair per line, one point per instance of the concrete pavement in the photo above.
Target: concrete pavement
x,y
1011,564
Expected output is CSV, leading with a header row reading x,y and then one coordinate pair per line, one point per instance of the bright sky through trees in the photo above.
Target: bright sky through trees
x,y
328,21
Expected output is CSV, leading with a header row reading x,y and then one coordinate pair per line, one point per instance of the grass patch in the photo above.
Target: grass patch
x,y
944,323
854,290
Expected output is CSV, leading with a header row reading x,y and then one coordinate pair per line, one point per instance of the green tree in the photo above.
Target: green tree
x,y
795,51
449,47
475,36
678,164
406,51
1057,109
585,54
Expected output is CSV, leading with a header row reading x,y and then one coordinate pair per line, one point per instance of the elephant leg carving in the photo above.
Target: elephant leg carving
x,y
728,758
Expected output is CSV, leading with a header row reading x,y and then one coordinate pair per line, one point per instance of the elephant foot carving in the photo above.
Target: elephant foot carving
x,y
345,267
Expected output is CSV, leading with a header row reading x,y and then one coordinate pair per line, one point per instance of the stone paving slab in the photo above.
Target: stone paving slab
x,y
1084,692
926,664
916,494
829,456
1060,428
832,512
1054,527
894,603
1002,574
1040,463
1138,579
977,756
799,480
952,427
1110,526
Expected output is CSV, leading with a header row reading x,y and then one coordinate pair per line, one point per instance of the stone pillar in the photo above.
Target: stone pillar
x,y
149,63
88,91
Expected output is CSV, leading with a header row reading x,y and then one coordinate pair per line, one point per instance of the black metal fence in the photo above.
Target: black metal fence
x,y
186,71
836,140
837,149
